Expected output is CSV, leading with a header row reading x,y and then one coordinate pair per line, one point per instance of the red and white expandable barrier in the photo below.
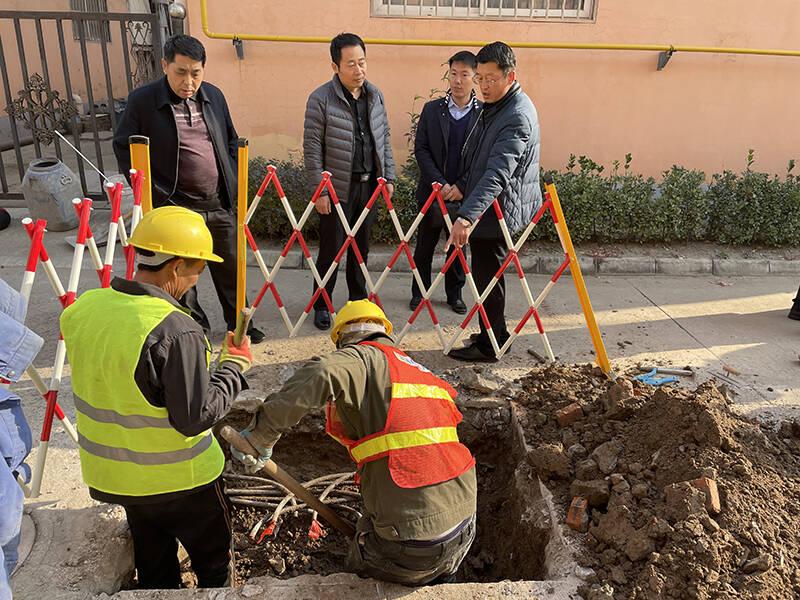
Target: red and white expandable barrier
x,y
114,192
38,252
512,257
85,239
84,208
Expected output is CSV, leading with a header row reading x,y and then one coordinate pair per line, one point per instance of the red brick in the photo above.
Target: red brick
x,y
569,414
578,514
709,488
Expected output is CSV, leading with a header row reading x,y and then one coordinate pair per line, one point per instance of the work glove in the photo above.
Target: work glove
x,y
239,355
251,463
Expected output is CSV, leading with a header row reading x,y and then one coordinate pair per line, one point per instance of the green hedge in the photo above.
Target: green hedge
x,y
619,206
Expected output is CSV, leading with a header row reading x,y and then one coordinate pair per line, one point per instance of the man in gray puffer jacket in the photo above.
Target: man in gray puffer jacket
x,y
346,132
502,157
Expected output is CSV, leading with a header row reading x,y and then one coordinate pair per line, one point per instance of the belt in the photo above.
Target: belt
x,y
440,540
361,177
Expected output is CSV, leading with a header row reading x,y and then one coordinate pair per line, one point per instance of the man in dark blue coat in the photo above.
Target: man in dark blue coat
x,y
502,159
441,133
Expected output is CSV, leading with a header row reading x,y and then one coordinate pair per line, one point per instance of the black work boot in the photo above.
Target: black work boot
x,y
794,313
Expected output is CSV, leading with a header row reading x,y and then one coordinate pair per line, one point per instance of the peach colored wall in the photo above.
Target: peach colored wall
x,y
74,60
702,111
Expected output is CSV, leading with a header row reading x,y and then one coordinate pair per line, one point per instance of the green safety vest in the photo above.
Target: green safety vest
x,y
127,446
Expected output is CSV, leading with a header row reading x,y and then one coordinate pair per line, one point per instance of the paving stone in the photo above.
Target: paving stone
x,y
529,262
784,267
626,265
684,266
294,260
549,264
378,261
741,266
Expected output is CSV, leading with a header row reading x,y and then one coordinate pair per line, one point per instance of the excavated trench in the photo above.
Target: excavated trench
x,y
514,539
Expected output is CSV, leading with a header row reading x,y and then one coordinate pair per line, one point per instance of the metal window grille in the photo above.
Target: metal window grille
x,y
545,10
92,29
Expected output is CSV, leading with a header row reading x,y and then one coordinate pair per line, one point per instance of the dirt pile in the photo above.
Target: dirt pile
x,y
674,495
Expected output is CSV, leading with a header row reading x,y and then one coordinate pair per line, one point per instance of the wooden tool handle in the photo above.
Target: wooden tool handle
x,y
294,486
242,324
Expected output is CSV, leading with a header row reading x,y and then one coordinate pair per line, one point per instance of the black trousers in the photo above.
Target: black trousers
x,y
487,257
428,236
408,563
331,238
201,521
222,225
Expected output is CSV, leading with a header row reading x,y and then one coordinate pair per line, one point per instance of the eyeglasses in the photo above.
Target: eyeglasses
x,y
489,81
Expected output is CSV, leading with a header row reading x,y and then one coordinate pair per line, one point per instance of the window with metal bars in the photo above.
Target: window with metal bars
x,y
92,29
545,10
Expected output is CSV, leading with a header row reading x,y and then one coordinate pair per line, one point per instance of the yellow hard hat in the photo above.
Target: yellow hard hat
x,y
176,231
358,310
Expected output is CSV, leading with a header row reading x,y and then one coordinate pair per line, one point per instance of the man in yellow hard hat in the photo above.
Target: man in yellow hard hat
x,y
398,422
146,402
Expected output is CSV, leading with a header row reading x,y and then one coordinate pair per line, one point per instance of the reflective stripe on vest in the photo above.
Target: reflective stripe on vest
x,y
127,445
382,444
145,458
419,390
420,437
106,415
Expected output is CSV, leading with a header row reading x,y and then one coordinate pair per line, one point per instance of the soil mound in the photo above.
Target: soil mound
x,y
673,495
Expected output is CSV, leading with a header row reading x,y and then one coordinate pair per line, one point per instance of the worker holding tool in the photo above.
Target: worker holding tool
x,y
146,402
398,422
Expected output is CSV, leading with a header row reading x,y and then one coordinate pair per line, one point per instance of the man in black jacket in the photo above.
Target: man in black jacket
x,y
502,158
193,159
441,132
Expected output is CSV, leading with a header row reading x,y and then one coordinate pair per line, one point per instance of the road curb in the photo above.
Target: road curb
x,y
532,265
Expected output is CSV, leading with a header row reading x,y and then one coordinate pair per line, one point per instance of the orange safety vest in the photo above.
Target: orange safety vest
x,y
420,435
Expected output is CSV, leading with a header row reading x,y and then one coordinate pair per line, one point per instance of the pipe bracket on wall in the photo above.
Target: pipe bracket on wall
x,y
239,45
663,58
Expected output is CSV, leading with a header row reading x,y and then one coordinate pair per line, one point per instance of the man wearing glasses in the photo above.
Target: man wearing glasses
x,y
346,132
441,132
502,158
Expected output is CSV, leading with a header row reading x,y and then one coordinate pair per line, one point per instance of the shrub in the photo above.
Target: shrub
x,y
621,206
270,222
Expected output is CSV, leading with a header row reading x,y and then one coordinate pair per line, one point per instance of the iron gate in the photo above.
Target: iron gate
x,y
70,72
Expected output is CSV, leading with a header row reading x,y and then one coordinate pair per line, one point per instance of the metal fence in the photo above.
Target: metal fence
x,y
101,58
546,10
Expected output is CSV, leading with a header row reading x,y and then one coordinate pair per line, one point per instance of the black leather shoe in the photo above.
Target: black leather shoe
x,y
472,353
415,302
458,306
322,319
256,335
794,313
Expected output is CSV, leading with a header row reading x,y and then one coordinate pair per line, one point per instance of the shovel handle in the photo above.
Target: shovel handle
x,y
282,477
242,324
